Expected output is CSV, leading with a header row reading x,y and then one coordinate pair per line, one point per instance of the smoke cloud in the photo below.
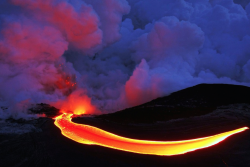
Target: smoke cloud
x,y
96,57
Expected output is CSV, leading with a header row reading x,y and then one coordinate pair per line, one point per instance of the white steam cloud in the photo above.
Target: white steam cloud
x,y
114,54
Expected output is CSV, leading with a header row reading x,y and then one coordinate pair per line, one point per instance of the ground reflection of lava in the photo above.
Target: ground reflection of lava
x,y
86,134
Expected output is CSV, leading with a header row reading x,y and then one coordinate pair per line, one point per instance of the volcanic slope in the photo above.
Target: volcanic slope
x,y
193,101
199,111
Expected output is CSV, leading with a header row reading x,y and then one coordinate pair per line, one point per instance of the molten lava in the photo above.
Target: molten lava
x,y
86,134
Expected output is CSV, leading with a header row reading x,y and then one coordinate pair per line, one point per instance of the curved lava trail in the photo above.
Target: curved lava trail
x,y
86,134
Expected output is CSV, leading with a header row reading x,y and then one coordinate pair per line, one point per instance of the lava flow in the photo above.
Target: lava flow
x,y
86,134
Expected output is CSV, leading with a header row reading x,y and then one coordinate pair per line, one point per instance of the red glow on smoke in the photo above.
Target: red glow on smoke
x,y
66,82
78,102
80,27
138,88
24,41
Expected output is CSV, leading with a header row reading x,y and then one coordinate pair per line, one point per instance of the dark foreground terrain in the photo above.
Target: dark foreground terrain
x,y
198,111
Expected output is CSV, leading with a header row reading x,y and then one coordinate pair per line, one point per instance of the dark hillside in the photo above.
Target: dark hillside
x,y
193,101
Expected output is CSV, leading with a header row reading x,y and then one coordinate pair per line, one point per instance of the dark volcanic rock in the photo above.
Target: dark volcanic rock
x,y
225,109
193,101
46,109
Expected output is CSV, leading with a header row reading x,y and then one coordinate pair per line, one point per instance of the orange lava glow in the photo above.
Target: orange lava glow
x,y
86,134
66,82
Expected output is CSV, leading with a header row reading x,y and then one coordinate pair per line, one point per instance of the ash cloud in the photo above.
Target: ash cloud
x,y
114,54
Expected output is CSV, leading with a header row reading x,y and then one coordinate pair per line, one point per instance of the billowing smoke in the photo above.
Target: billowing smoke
x,y
95,56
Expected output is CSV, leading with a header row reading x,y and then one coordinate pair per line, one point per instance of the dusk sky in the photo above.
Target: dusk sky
x,y
108,55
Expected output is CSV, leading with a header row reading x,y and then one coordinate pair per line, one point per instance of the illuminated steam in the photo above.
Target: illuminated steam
x,y
113,54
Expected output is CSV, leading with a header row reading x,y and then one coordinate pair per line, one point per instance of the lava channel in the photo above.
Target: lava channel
x,y
90,135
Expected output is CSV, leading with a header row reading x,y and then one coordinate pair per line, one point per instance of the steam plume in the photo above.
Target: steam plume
x,y
114,54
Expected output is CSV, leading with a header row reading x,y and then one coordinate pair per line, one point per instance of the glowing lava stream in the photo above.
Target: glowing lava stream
x,y
86,134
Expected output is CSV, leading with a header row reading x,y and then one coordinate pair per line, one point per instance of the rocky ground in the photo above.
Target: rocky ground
x,y
198,111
